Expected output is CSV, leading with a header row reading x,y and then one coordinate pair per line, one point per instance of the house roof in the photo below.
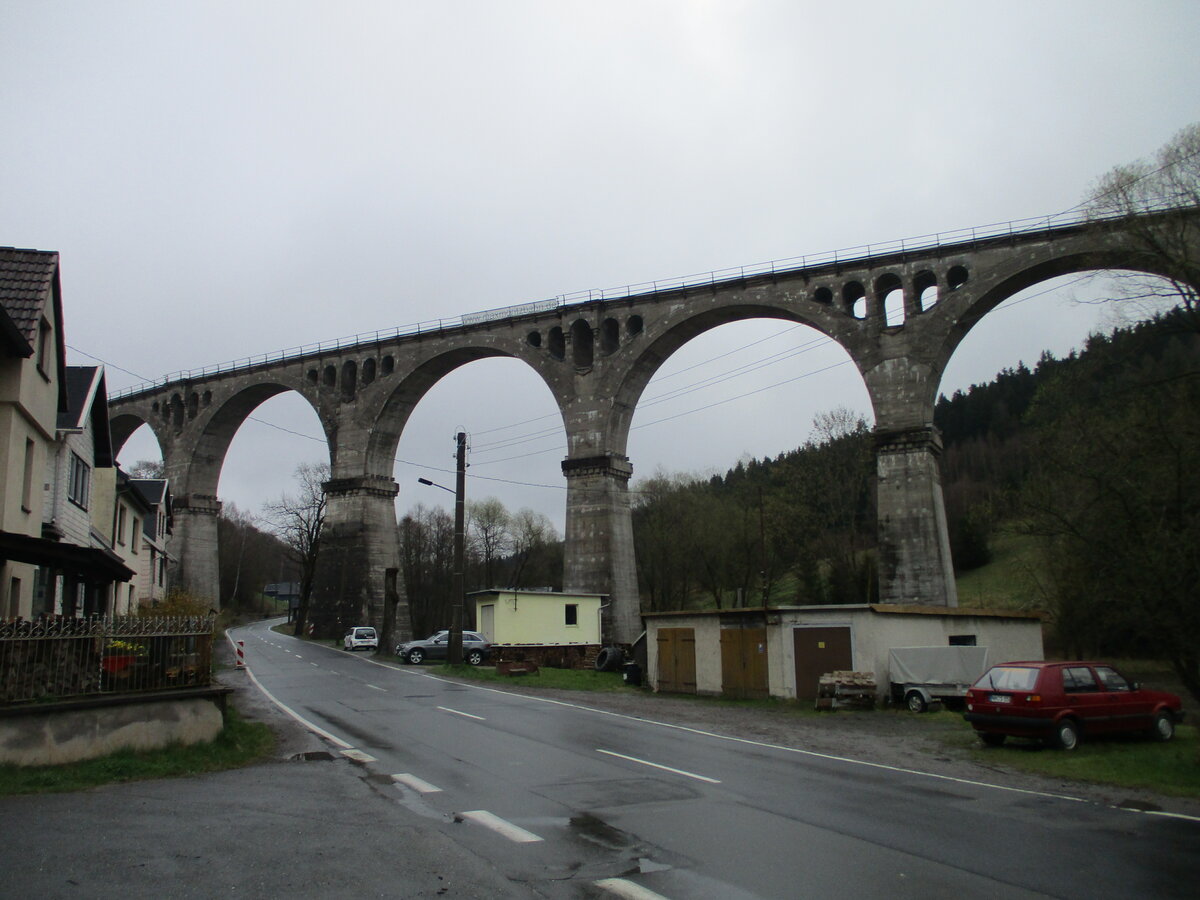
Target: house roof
x,y
29,283
28,280
87,398
153,490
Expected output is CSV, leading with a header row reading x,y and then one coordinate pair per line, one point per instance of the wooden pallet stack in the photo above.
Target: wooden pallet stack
x,y
846,690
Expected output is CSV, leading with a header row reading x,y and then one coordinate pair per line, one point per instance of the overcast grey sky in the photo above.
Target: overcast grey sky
x,y
225,179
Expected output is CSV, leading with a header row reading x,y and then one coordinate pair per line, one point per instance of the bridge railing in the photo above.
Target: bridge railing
x,y
960,237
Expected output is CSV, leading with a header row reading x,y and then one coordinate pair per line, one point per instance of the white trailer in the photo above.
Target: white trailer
x,y
924,676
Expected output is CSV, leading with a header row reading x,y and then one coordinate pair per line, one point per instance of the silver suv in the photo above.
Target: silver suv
x,y
476,648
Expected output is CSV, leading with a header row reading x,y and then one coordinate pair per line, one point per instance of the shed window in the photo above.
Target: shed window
x,y
572,613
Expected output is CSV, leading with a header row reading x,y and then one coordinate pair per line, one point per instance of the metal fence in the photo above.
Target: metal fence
x,y
60,658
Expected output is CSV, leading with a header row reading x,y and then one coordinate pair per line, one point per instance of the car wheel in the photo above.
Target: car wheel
x,y
475,657
915,702
415,657
991,740
1066,735
1163,728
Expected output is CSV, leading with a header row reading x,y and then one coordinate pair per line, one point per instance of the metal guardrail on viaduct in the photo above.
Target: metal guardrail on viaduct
x,y
1060,223
899,310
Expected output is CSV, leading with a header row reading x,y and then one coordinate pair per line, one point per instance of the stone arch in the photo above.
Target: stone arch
x,y
200,472
583,344
854,299
368,370
967,306
889,296
123,425
925,290
610,336
388,422
631,380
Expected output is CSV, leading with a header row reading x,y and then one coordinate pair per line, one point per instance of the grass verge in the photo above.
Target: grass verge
x,y
564,679
1128,761
239,744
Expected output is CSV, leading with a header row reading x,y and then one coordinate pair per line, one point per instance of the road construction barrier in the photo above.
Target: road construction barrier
x,y
241,655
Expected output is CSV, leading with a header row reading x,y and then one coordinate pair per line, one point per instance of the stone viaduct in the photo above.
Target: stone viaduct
x,y
899,312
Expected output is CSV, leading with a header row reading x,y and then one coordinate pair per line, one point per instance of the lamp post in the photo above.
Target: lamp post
x,y
458,588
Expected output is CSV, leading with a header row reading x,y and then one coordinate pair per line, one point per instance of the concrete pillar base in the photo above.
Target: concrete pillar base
x,y
914,544
599,541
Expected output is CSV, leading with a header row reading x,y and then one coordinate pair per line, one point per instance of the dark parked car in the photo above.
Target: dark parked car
x,y
1060,702
476,648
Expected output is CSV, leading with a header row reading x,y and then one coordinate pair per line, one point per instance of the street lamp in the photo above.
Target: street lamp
x,y
454,653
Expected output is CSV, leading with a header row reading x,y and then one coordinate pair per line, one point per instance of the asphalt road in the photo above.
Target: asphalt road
x,y
564,801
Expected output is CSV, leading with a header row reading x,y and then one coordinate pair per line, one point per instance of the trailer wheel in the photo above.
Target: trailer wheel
x,y
915,702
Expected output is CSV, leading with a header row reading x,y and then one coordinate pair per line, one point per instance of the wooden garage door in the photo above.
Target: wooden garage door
x,y
744,663
677,660
820,650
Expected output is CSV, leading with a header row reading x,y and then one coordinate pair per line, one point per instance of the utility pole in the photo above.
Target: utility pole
x,y
455,654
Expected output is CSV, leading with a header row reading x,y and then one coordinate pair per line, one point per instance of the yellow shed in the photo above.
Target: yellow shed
x,y
538,617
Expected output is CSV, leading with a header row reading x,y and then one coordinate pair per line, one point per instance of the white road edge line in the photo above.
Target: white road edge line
x,y
514,833
420,785
359,756
653,765
459,712
627,889
311,726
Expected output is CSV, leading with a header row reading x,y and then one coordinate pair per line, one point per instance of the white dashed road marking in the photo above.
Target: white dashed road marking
x,y
627,889
653,765
460,713
514,833
417,784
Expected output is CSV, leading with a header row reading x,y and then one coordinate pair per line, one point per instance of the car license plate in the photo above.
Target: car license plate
x,y
999,698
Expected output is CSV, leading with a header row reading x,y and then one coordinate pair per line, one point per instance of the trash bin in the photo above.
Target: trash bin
x,y
631,674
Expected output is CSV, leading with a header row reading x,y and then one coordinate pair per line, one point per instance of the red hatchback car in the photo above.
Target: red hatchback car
x,y
1061,701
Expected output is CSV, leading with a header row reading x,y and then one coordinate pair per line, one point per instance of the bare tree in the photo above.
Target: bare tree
x,y
489,534
148,468
297,520
533,536
1167,242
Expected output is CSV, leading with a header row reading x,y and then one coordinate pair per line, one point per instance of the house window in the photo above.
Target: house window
x,y
120,529
27,485
572,613
14,597
962,640
133,535
79,481
162,571
44,348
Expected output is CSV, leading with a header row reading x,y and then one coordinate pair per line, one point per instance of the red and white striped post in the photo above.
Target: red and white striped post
x,y
241,655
